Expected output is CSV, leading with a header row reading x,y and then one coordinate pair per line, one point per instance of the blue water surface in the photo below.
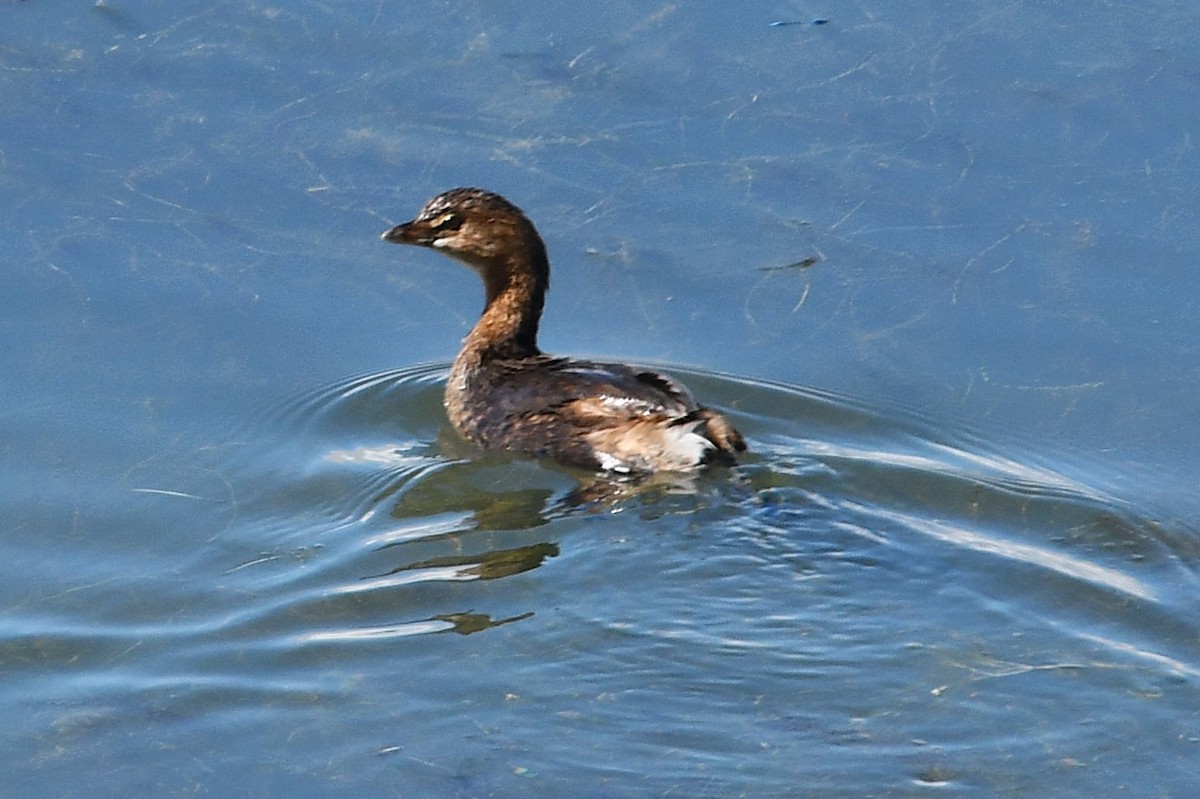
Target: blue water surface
x,y
937,262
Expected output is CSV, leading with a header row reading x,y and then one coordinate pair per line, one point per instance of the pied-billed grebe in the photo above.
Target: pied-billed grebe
x,y
505,394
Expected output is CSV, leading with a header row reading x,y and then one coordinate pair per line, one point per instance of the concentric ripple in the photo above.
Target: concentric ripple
x,y
866,575
364,493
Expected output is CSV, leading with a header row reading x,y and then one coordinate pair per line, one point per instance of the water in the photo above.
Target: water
x,y
935,263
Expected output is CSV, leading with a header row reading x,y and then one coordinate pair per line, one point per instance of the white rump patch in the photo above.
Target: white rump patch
x,y
611,463
650,445
687,446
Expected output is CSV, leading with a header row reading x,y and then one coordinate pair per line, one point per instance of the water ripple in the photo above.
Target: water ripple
x,y
369,521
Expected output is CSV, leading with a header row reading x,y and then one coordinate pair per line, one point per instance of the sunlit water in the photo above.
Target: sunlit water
x,y
860,597
938,263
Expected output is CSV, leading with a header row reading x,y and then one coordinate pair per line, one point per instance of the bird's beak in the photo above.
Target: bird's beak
x,y
406,233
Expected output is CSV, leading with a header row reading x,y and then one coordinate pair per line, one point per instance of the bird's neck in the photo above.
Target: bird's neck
x,y
515,289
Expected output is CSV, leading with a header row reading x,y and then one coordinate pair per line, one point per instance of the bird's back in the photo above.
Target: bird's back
x,y
596,415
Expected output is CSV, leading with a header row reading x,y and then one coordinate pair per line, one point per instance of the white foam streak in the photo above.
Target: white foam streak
x,y
1027,553
389,631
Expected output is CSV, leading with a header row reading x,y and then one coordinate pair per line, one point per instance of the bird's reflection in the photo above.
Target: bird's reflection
x,y
480,508
489,565
467,623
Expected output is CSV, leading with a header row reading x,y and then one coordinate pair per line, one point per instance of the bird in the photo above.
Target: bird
x,y
504,393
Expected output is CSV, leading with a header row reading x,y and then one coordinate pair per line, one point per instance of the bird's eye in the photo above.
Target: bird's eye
x,y
447,221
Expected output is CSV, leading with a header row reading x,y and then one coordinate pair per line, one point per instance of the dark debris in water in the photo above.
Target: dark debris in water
x,y
786,22
803,263
935,776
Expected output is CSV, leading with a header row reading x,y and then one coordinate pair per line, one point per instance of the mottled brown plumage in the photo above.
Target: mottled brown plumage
x,y
505,394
